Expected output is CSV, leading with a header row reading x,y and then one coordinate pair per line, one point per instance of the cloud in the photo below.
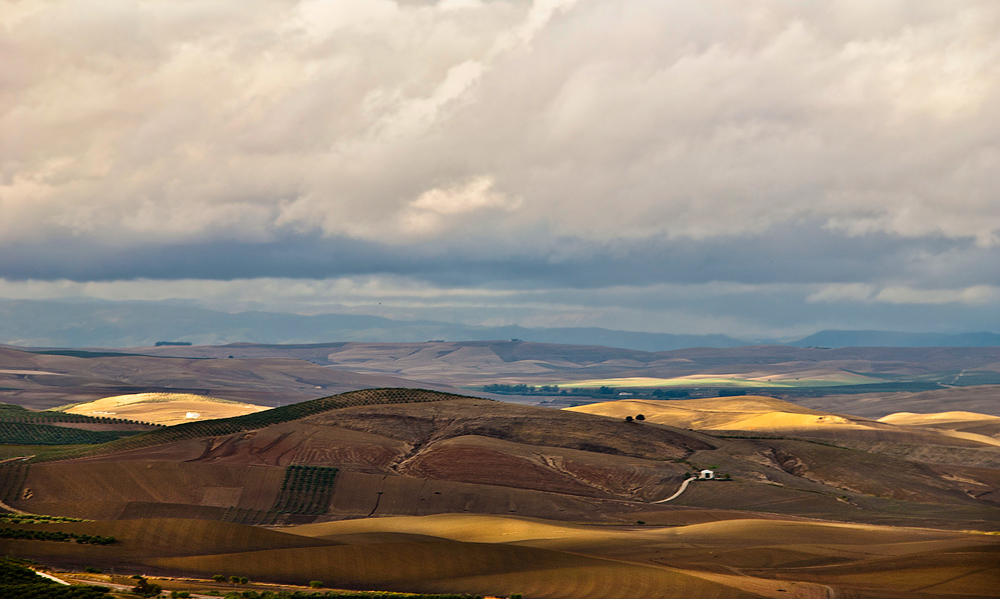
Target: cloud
x,y
166,122
848,150
979,294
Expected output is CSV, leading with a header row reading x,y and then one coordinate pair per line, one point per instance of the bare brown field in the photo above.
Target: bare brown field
x,y
471,363
503,555
978,398
451,566
43,381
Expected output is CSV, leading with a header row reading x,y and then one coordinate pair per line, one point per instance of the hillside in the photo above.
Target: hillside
x,y
960,421
802,375
417,490
461,553
757,414
50,378
163,408
422,452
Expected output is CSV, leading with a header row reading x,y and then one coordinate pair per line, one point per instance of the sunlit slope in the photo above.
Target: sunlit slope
x,y
163,408
776,550
960,421
452,566
769,415
741,532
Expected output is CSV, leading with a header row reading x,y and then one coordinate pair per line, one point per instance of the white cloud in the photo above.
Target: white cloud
x,y
979,294
903,294
173,121
843,292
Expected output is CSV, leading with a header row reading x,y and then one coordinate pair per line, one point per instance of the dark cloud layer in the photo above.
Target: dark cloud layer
x,y
788,254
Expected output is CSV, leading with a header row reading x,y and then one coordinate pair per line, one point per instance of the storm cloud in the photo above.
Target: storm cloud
x,y
845,153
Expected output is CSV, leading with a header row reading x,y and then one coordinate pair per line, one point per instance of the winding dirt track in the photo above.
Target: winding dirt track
x,y
684,486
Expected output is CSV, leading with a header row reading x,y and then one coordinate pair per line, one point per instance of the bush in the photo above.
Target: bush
x,y
640,417
628,419
234,579
179,594
315,584
219,578
244,580
146,589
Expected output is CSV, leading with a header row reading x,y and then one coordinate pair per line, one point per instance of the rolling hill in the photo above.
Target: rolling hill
x,y
419,490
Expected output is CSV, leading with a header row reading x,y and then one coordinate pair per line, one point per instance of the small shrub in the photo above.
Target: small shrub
x,y
640,417
219,578
146,589
91,570
628,419
234,579
316,584
244,580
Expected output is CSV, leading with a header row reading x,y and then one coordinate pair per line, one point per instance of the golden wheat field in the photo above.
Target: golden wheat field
x,y
163,408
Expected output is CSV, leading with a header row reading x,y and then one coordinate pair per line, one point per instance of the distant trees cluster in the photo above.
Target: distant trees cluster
x,y
521,389
17,581
671,393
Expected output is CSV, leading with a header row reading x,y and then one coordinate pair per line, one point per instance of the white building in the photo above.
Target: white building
x,y
706,475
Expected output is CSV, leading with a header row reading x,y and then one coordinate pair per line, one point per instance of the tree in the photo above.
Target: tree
x,y
640,417
316,584
628,419
219,578
234,579
145,589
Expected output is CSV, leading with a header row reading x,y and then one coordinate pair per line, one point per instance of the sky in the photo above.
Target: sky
x,y
752,168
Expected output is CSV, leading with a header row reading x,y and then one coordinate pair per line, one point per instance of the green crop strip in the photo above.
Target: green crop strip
x,y
306,490
54,535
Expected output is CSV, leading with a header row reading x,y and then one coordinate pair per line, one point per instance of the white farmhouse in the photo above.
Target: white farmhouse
x,y
706,475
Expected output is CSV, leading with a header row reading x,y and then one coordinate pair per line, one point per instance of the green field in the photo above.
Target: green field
x,y
718,381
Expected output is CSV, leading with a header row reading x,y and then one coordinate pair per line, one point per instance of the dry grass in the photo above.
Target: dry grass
x,y
163,408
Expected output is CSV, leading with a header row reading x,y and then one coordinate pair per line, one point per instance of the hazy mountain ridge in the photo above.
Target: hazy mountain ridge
x,y
51,323
897,339
136,324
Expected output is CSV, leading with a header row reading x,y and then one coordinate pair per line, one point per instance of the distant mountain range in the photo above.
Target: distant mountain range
x,y
896,339
39,323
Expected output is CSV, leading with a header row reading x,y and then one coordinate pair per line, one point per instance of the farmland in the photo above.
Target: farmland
x,y
417,490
